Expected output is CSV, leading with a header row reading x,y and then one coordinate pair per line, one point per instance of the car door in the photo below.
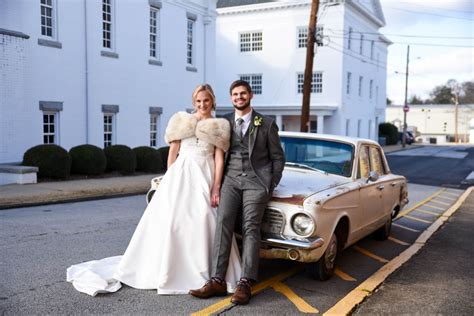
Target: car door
x,y
391,183
370,193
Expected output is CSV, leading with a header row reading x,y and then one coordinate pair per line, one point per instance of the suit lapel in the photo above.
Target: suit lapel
x,y
253,130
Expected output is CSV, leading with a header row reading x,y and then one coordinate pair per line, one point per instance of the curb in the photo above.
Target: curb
x,y
347,304
71,199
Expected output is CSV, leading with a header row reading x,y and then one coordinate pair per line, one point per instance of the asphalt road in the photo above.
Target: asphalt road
x,y
38,244
446,166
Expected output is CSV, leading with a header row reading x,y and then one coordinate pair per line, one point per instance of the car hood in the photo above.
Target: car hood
x,y
297,184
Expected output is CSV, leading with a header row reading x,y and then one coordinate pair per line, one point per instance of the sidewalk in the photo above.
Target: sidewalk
x,y
20,195
439,280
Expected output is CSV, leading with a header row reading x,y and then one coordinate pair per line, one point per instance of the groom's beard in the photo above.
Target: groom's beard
x,y
242,107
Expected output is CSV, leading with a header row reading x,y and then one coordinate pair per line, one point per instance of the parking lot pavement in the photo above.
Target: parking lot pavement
x,y
438,280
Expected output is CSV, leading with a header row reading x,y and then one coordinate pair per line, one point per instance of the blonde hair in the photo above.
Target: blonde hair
x,y
205,87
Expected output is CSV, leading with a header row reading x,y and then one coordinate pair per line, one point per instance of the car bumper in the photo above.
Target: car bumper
x,y
303,250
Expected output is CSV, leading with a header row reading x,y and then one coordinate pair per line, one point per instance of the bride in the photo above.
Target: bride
x,y
171,248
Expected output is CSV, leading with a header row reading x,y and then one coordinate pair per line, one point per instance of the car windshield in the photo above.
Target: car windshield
x,y
329,156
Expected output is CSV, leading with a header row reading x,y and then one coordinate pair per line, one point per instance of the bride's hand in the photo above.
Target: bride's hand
x,y
215,196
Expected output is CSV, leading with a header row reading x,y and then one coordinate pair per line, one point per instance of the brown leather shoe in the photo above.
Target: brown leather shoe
x,y
242,293
213,287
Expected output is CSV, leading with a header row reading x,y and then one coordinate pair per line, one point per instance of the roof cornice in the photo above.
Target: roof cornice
x,y
263,7
359,8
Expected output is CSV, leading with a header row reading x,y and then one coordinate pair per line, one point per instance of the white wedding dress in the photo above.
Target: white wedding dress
x,y
171,249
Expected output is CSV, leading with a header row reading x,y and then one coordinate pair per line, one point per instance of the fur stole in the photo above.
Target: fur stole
x,y
215,131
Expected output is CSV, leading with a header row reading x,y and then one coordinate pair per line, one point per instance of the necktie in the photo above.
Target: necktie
x,y
238,127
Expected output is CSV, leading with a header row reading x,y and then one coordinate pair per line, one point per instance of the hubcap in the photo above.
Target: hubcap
x,y
331,252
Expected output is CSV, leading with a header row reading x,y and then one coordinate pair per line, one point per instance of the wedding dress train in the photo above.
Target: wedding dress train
x,y
171,249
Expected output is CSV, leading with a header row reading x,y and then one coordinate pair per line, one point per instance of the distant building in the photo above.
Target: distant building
x,y
264,42
435,123
99,71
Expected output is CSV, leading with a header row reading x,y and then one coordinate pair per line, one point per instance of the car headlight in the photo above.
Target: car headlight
x,y
302,224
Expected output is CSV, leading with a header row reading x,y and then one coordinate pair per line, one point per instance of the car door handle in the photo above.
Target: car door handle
x,y
381,187
393,184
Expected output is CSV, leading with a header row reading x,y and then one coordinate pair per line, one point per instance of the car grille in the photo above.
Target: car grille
x,y
272,222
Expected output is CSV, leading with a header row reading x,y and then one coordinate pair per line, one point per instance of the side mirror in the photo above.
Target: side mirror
x,y
373,176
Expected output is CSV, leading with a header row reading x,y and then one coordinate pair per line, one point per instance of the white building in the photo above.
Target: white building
x,y
265,43
99,71
435,123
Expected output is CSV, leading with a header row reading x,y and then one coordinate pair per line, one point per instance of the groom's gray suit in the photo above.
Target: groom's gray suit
x,y
253,167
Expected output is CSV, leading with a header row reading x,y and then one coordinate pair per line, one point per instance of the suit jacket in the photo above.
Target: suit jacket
x,y
267,158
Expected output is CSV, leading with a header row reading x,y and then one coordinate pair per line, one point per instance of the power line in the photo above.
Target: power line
x,y
406,43
434,14
368,2
402,35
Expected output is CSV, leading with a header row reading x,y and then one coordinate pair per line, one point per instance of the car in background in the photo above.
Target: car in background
x,y
334,191
409,138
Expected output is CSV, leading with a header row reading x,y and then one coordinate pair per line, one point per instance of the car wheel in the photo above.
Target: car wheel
x,y
325,266
384,232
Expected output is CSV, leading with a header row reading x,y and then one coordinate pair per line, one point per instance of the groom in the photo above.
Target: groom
x,y
254,165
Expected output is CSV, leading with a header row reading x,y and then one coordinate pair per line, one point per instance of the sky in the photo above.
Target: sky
x,y
433,22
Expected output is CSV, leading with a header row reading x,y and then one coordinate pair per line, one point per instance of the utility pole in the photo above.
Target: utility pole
x,y
405,108
308,71
456,110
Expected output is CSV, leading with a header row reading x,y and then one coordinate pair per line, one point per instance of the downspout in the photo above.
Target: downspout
x,y
86,72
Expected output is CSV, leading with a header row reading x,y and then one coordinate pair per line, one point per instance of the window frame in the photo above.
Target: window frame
x,y
47,125
111,132
361,83
53,17
253,80
361,47
154,32
255,41
190,30
371,88
349,38
316,83
348,83
110,23
154,122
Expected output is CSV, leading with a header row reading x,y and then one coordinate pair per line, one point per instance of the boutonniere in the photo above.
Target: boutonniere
x,y
257,121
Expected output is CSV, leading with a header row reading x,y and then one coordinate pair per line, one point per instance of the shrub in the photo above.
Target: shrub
x,y
148,159
163,152
87,159
390,132
120,158
52,161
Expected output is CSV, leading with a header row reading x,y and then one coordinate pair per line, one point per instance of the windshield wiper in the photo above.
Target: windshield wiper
x,y
300,165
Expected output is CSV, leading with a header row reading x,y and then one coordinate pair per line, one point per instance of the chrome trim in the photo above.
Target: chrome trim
x,y
307,214
306,244
283,223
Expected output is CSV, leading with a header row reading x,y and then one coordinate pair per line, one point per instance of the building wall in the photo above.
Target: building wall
x,y
82,79
434,121
281,60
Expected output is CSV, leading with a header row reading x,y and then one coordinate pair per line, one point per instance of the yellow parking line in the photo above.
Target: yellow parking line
x,y
434,206
256,289
407,228
369,254
346,305
398,241
440,202
429,198
446,198
343,275
427,212
294,298
451,193
417,219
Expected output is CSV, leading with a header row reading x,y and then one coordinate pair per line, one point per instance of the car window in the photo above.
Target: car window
x,y
326,155
376,161
364,165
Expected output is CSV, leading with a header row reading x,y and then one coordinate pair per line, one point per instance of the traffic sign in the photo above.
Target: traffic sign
x,y
406,108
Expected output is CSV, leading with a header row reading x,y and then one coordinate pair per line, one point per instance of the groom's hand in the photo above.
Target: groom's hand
x,y
215,197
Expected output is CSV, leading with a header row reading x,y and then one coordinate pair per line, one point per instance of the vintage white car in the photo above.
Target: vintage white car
x,y
334,191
